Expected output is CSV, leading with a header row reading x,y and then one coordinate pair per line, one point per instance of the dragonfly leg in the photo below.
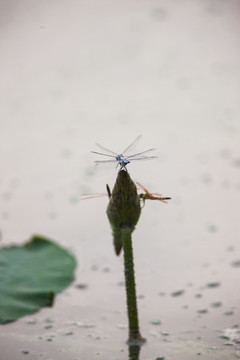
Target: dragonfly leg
x,y
108,191
142,199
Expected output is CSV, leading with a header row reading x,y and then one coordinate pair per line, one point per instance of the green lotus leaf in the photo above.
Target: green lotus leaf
x,y
31,275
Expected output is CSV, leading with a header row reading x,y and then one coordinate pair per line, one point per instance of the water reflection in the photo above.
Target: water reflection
x,y
134,352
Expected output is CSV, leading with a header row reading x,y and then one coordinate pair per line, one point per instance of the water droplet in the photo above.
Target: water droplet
x,y
229,313
206,179
90,171
177,293
187,332
154,333
224,337
232,335
225,184
165,333
7,196
94,268
216,304
74,199
85,325
67,332
202,311
212,228
48,327
31,321
155,322
5,215
49,320
81,286
25,352
236,163
159,14
122,326
213,284
235,263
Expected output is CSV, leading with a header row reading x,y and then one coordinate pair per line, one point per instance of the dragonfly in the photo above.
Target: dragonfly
x,y
143,196
123,159
151,196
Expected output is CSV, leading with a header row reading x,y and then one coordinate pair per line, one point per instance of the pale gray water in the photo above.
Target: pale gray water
x,y
74,73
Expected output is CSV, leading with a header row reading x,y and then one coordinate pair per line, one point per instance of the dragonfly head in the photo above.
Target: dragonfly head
x,y
122,160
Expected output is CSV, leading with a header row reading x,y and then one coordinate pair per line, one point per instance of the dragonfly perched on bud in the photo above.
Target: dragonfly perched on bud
x,y
123,159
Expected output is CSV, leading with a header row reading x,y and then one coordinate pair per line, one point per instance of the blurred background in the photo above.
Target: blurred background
x,y
74,73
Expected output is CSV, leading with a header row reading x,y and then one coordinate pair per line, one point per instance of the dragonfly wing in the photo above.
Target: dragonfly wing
x,y
132,144
164,201
144,158
107,150
91,196
104,161
141,153
98,153
142,187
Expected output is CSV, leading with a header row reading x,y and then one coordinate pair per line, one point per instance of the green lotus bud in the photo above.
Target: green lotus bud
x,y
124,208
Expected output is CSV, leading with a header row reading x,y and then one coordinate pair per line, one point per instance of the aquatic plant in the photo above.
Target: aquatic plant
x,y
123,211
